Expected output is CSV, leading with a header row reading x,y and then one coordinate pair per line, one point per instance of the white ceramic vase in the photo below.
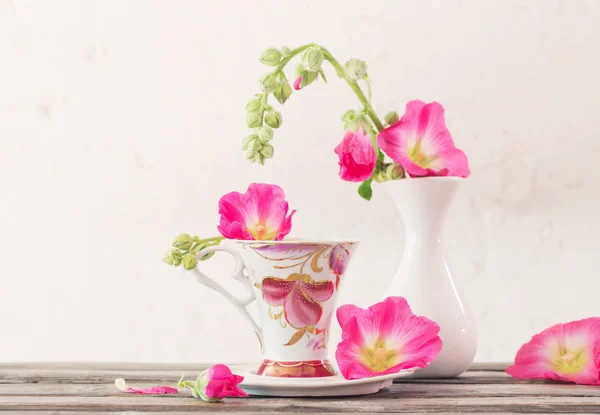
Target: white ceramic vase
x,y
424,278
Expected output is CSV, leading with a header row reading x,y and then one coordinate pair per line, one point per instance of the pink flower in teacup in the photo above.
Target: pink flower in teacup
x,y
567,352
385,338
357,156
259,214
421,143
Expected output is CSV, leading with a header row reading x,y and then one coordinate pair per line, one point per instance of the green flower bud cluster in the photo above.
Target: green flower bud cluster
x,y
355,69
260,116
257,145
391,171
353,120
186,249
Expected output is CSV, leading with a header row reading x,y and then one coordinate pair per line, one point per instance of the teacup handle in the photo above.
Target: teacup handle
x,y
238,273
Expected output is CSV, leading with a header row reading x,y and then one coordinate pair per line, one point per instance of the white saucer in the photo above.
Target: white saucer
x,y
326,386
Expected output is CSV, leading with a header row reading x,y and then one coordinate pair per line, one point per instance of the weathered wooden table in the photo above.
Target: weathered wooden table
x,y
54,388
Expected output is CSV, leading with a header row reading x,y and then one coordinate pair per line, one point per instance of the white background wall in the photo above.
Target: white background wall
x,y
120,124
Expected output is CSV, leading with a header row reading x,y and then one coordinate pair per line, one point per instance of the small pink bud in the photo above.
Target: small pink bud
x,y
297,83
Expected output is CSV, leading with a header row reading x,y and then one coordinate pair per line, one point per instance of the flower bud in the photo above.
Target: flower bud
x,y
347,115
395,172
253,105
189,261
183,241
265,134
391,117
312,59
270,57
254,120
285,52
355,69
168,258
267,151
306,79
273,119
256,146
282,92
268,83
247,141
381,176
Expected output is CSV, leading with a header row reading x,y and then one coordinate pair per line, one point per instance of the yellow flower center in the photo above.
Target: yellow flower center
x,y
570,361
261,233
379,357
419,157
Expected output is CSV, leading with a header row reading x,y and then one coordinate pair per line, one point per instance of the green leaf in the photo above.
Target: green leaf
x,y
365,191
322,75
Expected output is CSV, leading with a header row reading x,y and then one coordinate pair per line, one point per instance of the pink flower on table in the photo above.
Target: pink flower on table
x,y
259,214
223,383
214,384
357,156
300,297
385,338
297,83
567,352
421,143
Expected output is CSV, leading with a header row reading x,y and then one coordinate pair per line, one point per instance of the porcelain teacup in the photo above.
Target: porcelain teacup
x,y
295,285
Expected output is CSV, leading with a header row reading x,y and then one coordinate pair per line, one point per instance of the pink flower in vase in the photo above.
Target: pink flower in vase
x,y
259,214
421,143
385,338
567,352
300,297
357,156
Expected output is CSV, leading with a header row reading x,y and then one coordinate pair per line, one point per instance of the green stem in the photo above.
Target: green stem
x,y
357,91
340,72
213,239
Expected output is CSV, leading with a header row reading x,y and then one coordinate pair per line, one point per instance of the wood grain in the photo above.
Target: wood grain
x,y
54,388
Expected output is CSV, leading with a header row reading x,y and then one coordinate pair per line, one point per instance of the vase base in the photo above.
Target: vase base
x,y
302,369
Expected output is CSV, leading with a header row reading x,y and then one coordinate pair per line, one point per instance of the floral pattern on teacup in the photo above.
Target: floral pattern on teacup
x,y
299,295
300,298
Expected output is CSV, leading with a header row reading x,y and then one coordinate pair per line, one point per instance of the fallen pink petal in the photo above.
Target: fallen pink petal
x,y
121,385
568,352
385,338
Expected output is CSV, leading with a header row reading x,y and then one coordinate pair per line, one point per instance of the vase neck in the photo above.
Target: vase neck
x,y
424,203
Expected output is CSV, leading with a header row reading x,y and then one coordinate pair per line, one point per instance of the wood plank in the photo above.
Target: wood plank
x,y
396,391
31,374
308,405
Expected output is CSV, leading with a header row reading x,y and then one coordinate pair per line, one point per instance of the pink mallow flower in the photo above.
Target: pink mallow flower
x,y
385,338
567,352
421,143
357,157
214,384
259,214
